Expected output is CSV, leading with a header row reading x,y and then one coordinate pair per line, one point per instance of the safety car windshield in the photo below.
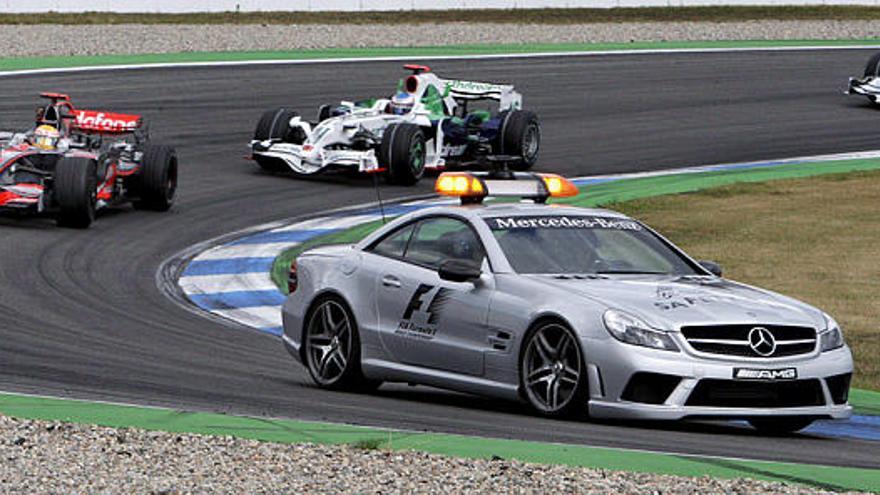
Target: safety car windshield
x,y
584,245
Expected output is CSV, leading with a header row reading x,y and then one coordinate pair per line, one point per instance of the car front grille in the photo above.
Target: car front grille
x,y
733,340
731,393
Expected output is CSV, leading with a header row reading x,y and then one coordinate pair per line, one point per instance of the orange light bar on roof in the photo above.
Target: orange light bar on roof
x,y
459,184
558,186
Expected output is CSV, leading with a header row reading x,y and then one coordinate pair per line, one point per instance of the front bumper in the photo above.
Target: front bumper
x,y
305,159
612,368
869,86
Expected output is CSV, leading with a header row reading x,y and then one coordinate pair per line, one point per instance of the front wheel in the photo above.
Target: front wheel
x,y
519,136
76,191
552,373
274,125
780,426
403,153
333,348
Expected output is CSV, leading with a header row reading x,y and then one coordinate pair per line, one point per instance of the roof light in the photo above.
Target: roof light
x,y
558,186
459,184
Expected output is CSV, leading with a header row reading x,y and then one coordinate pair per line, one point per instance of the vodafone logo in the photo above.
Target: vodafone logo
x,y
106,121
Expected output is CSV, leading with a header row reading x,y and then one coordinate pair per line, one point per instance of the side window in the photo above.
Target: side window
x,y
394,245
440,239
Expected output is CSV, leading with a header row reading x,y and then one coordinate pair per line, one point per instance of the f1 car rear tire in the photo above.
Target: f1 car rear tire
x,y
275,124
156,185
403,153
553,377
780,426
76,191
872,68
332,347
520,136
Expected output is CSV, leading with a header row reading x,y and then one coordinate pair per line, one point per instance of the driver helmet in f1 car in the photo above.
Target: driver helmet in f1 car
x,y
402,103
46,137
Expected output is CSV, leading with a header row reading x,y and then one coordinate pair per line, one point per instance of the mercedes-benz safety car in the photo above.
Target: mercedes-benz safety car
x,y
568,309
73,162
869,84
429,123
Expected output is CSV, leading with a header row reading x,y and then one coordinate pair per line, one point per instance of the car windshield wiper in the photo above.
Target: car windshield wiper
x,y
631,272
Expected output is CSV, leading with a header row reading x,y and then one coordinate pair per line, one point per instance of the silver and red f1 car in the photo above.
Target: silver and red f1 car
x,y
74,162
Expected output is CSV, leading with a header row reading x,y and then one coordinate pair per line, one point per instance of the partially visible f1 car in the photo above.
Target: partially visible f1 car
x,y
429,123
74,162
869,84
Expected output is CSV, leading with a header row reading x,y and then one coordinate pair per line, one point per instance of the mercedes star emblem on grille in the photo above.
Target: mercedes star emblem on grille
x,y
762,341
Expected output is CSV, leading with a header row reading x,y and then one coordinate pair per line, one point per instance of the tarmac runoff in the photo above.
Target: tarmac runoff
x,y
232,279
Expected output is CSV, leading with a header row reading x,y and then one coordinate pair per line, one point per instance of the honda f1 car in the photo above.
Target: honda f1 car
x,y
568,309
869,84
74,162
429,123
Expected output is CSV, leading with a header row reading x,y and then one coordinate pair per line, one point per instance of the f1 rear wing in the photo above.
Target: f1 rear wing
x,y
504,94
95,121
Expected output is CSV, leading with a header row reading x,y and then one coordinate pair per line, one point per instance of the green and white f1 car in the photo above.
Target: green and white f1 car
x,y
426,124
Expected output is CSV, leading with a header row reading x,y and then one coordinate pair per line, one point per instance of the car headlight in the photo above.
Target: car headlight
x,y
631,330
831,338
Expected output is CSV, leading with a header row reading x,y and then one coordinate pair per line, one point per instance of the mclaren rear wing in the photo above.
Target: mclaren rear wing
x,y
95,121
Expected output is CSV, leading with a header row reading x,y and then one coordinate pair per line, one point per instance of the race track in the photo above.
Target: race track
x,y
83,316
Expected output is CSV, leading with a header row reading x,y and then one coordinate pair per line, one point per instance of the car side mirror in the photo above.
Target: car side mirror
x,y
459,271
711,267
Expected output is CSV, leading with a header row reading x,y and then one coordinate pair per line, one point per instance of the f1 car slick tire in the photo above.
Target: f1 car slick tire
x,y
403,153
553,376
520,136
274,124
156,185
76,191
872,68
332,347
780,426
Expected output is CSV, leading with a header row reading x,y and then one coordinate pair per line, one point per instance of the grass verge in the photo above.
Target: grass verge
x,y
511,16
292,431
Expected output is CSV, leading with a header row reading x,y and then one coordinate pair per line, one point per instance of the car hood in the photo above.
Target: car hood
x,y
670,302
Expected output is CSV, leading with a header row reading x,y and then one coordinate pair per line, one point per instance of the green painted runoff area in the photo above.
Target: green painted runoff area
x,y
293,431
30,63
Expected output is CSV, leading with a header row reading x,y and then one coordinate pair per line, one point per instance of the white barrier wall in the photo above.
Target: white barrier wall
x,y
169,6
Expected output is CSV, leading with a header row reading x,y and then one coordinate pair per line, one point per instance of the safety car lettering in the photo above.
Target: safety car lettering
x,y
561,222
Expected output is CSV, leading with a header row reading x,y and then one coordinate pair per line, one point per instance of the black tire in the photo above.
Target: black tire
x,y
324,112
872,68
780,426
326,371
520,136
537,386
275,124
156,184
402,152
76,189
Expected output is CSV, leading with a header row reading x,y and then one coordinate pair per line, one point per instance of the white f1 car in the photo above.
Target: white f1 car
x,y
869,84
426,124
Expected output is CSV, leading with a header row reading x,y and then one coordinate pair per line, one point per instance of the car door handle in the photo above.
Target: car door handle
x,y
391,281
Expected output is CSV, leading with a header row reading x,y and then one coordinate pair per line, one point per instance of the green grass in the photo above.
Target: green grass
x,y
513,16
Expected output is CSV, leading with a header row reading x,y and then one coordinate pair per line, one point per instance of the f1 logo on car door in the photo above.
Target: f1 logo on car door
x,y
423,312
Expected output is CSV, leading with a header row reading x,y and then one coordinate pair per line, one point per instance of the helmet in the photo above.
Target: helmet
x,y
402,103
46,137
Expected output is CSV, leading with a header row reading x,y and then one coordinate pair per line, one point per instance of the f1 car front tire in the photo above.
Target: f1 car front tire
x,y
76,191
332,347
156,185
553,376
520,136
274,125
780,426
872,68
403,153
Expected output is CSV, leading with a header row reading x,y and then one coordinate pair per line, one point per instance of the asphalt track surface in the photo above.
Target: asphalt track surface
x,y
82,316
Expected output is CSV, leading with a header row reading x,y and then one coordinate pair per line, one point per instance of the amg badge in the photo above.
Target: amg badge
x,y
756,374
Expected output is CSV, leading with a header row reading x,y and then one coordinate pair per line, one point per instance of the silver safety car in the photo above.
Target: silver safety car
x,y
566,308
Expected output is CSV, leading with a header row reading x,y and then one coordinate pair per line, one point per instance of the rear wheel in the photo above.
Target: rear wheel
x,y
780,426
332,347
275,125
520,136
76,190
156,185
552,374
403,153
